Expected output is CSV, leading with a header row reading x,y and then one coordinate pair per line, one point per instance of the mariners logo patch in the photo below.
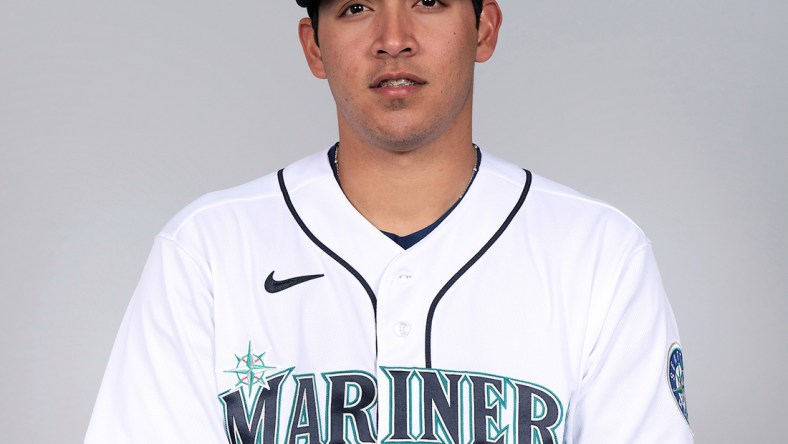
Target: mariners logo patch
x,y
250,370
676,378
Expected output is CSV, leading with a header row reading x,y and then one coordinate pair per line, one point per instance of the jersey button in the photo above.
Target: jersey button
x,y
402,329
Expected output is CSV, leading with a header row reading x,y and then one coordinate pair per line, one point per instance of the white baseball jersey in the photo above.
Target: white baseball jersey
x,y
274,312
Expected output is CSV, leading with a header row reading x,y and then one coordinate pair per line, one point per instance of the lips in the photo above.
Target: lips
x,y
396,80
397,83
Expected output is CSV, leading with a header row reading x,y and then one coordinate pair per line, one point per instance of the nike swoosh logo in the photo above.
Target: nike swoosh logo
x,y
274,286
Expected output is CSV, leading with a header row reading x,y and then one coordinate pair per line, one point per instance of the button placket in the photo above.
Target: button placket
x,y
399,307
402,328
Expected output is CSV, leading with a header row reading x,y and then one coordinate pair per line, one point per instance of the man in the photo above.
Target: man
x,y
402,287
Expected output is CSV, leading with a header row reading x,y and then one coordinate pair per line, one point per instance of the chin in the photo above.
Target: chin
x,y
406,134
403,141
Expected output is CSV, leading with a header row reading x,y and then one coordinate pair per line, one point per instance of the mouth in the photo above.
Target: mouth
x,y
399,80
396,83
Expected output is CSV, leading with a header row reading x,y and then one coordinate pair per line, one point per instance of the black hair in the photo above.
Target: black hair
x,y
313,6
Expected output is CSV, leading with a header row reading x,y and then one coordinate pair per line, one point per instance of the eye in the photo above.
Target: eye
x,y
354,9
429,4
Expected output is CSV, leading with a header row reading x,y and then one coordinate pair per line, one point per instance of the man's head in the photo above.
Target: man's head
x,y
401,71
312,7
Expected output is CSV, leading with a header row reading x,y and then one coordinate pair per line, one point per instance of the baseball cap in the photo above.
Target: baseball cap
x,y
305,3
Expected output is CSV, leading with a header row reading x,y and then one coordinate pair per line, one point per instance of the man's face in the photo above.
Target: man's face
x,y
400,71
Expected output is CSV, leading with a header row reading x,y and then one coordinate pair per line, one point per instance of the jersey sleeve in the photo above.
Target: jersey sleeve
x,y
626,393
159,385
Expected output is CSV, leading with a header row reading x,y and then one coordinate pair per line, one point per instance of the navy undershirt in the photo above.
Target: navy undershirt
x,y
411,239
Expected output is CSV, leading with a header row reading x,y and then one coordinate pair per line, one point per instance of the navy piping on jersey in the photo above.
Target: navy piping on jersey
x,y
412,239
322,246
441,293
469,264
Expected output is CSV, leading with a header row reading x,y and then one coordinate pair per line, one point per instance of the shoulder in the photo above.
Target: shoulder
x,y
555,214
258,197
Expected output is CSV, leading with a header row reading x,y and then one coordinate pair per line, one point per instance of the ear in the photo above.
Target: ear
x,y
489,25
311,51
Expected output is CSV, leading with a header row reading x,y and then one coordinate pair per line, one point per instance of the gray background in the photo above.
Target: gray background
x,y
114,115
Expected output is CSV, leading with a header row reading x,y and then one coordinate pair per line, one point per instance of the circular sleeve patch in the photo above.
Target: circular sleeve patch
x,y
676,378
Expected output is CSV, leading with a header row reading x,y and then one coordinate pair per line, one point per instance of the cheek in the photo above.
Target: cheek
x,y
458,48
459,60
341,59
342,75
346,84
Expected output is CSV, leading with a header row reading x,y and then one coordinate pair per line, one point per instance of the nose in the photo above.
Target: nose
x,y
395,33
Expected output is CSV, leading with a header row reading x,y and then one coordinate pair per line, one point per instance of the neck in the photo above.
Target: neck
x,y
404,191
